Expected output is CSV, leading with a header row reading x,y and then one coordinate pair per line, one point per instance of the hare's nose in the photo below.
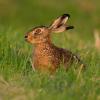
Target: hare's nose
x,y
26,36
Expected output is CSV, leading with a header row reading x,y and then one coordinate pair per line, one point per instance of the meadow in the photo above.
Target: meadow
x,y
18,81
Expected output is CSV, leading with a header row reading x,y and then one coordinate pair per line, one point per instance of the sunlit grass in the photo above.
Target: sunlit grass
x,y
18,81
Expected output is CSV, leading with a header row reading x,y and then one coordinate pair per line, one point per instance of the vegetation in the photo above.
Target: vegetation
x,y
17,79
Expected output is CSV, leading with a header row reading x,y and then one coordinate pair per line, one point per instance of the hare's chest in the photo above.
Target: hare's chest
x,y
46,58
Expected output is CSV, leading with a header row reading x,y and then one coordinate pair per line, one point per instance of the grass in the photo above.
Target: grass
x,y
17,79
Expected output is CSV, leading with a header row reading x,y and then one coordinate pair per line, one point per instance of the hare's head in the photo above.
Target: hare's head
x,y
42,34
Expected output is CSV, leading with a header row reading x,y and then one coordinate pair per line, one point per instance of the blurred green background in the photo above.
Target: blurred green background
x,y
17,79
85,14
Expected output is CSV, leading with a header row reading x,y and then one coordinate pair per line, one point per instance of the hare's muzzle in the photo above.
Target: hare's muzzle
x,y
26,36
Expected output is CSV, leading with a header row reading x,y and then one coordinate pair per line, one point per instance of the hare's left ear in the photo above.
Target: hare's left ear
x,y
59,25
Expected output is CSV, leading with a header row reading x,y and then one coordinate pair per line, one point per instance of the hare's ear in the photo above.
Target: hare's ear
x,y
59,25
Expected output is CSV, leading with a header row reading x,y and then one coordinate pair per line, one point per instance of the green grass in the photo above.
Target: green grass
x,y
17,79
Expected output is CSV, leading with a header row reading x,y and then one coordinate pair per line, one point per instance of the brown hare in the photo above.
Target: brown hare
x,y
46,55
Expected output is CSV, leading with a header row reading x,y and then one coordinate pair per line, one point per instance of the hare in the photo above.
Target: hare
x,y
46,55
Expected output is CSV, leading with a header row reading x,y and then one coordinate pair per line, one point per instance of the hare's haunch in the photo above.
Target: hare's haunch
x,y
46,55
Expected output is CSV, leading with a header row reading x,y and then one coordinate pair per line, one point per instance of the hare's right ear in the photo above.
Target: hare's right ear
x,y
59,25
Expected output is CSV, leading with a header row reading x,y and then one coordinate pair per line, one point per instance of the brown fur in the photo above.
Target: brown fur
x,y
46,55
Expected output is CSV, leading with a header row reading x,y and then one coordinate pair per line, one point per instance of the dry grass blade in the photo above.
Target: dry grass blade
x,y
80,70
97,39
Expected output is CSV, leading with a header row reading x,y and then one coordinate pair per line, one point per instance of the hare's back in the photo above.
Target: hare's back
x,y
67,56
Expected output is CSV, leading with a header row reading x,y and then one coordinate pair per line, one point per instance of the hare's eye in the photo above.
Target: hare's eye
x,y
38,31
